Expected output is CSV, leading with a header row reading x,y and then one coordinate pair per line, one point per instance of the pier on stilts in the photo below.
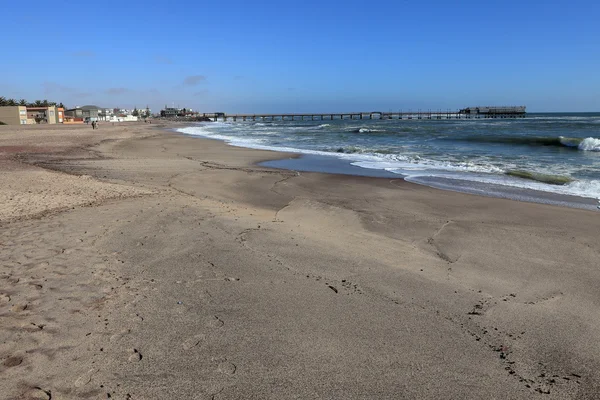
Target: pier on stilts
x,y
465,113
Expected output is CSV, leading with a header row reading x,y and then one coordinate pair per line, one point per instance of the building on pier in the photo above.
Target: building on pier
x,y
494,110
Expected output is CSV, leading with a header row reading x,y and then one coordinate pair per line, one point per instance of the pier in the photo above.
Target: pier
x,y
465,113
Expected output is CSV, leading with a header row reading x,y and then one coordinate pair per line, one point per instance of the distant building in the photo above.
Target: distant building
x,y
170,112
13,115
494,110
23,115
41,115
104,114
122,118
86,113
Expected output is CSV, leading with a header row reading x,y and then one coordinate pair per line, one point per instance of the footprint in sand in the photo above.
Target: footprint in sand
x,y
37,393
227,368
118,336
215,322
135,355
209,392
4,298
85,378
192,342
19,307
12,361
138,318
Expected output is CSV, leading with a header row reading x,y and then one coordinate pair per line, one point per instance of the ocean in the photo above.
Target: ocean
x,y
550,158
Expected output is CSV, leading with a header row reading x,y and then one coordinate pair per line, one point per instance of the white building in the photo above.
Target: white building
x,y
121,118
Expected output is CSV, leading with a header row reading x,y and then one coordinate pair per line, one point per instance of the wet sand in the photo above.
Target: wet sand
x,y
137,263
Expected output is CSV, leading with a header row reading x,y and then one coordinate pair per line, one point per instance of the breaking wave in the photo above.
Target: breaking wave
x,y
539,177
589,144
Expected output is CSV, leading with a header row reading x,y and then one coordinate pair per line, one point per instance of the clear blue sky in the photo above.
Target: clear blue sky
x,y
283,56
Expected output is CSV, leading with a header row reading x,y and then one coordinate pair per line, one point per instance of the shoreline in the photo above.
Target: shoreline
x,y
330,164
149,264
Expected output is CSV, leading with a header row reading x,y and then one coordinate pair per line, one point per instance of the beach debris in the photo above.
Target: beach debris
x,y
180,302
332,288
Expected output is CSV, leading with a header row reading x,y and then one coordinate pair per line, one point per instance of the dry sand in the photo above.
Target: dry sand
x,y
136,263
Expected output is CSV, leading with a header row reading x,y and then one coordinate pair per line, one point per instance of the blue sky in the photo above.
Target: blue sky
x,y
283,56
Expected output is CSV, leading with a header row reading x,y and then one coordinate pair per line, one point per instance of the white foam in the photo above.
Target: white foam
x,y
590,144
581,188
417,163
364,130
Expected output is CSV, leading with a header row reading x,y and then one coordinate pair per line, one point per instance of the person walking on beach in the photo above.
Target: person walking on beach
x,y
93,124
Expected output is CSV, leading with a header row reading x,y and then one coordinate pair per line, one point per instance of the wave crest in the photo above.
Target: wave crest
x,y
539,177
589,144
366,130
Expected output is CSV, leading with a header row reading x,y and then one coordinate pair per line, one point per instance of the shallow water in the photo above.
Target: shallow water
x,y
553,153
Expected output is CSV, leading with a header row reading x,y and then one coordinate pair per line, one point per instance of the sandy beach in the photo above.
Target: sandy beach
x,y
138,263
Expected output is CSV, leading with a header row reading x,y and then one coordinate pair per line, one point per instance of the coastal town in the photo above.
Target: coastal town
x,y
13,112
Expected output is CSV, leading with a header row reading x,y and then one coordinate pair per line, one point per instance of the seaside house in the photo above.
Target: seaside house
x,y
41,115
24,115
85,113
13,115
122,118
104,114
170,112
